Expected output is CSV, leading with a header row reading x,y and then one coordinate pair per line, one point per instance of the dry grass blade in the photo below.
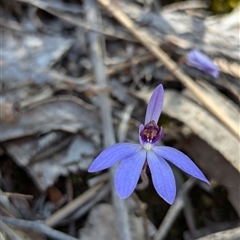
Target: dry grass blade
x,y
8,232
73,205
174,210
186,5
170,64
111,70
17,195
87,206
37,226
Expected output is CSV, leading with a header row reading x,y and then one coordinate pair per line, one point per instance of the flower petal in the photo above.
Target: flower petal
x,y
203,62
162,177
180,160
155,104
141,127
128,173
113,154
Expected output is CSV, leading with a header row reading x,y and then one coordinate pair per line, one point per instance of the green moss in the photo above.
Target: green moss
x,y
216,6
223,6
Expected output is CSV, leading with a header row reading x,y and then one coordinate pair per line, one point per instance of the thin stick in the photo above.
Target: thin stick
x,y
145,180
123,126
111,70
69,98
108,133
187,5
142,208
73,205
189,216
9,232
87,206
12,25
147,41
38,227
16,195
174,210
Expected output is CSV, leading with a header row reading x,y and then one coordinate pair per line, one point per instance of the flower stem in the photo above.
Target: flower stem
x,y
144,178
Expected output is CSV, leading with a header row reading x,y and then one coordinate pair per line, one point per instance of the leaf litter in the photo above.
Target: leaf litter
x,y
51,126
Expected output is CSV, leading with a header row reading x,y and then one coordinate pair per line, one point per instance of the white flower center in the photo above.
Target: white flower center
x,y
148,146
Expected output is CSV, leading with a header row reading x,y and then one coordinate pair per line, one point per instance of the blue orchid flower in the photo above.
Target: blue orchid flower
x,y
134,158
202,62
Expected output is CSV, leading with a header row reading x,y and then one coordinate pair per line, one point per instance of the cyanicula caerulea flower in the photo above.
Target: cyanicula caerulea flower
x,y
202,62
134,158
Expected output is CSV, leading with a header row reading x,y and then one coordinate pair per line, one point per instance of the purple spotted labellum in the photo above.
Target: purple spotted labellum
x,y
202,62
135,157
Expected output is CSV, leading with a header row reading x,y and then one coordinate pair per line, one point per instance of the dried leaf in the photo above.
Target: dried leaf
x,y
9,207
183,26
23,55
46,170
9,111
232,234
101,225
65,115
215,167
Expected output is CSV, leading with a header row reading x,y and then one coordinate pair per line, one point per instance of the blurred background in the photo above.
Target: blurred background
x,y
76,76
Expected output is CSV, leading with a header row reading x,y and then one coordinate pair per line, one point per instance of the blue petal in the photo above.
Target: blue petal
x,y
201,61
181,160
113,154
128,173
155,104
162,177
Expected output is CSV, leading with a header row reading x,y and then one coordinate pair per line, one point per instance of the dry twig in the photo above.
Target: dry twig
x,y
9,232
108,133
87,206
73,205
174,210
142,208
111,70
16,195
37,226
